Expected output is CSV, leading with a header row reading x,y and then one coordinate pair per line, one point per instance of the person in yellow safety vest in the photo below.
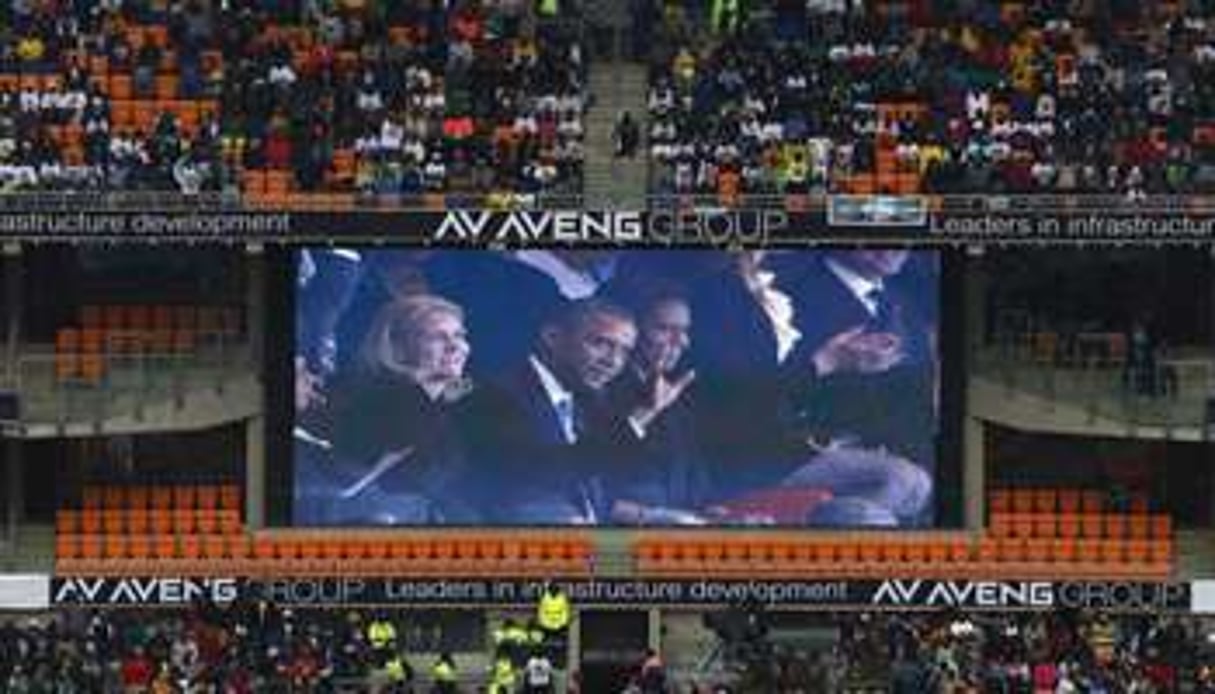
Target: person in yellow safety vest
x,y
381,634
511,641
554,612
444,675
397,670
553,615
549,8
725,16
503,679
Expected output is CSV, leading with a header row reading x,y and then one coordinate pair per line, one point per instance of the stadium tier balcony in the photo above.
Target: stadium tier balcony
x,y
414,104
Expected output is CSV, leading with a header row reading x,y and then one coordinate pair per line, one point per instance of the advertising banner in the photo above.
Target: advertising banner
x,y
705,593
843,219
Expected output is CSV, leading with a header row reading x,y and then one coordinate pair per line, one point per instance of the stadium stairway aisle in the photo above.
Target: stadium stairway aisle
x,y
610,181
33,550
1194,558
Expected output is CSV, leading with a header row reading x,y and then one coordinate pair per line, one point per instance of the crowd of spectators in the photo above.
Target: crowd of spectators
x,y
979,97
380,98
58,129
256,647
1052,652
516,97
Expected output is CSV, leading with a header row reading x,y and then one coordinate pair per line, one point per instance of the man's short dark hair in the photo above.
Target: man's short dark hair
x,y
574,314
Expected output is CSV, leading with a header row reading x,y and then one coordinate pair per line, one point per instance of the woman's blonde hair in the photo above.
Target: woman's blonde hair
x,y
397,324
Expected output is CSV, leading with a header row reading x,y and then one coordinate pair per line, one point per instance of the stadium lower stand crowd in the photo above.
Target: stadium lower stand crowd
x,y
250,648
414,98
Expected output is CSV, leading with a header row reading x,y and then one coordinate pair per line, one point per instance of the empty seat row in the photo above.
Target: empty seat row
x,y
176,496
1058,499
144,521
886,556
161,317
291,553
1088,525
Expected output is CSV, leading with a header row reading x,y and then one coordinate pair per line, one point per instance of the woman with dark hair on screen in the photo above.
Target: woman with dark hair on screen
x,y
395,417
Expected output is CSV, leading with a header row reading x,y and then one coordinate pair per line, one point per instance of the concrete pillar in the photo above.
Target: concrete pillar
x,y
573,652
975,316
974,473
255,302
255,472
14,484
1209,418
255,427
654,629
13,291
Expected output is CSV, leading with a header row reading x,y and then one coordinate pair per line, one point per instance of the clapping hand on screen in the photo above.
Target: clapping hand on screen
x,y
386,462
663,393
858,350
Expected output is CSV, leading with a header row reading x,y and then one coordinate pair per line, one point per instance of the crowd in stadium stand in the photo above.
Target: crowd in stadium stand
x,y
516,99
383,98
904,97
257,647
58,127
404,98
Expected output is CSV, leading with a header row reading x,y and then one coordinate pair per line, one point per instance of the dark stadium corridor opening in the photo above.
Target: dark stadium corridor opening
x,y
613,647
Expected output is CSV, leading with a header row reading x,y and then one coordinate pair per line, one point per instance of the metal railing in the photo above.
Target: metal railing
x,y
1174,392
124,385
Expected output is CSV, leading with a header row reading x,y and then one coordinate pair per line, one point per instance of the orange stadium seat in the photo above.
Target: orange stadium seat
x,y
113,521
1046,524
162,497
1160,526
1092,525
1115,525
90,521
1069,525
67,357
67,546
1046,500
138,520
120,87
1069,500
1138,527
67,521
161,521
183,496
1092,501
229,497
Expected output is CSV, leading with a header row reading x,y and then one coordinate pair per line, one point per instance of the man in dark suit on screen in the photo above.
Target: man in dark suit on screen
x,y
771,367
880,393
545,436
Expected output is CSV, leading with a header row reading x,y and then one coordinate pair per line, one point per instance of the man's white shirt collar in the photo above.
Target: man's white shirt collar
x,y
555,392
861,287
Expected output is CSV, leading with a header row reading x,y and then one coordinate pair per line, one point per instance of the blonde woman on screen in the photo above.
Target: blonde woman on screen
x,y
396,414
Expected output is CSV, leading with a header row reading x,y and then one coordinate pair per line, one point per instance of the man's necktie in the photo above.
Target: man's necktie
x,y
568,418
886,313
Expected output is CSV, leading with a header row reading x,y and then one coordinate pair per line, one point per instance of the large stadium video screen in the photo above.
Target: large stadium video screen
x,y
603,387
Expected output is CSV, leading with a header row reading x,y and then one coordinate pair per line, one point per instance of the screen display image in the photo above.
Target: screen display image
x,y
574,387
